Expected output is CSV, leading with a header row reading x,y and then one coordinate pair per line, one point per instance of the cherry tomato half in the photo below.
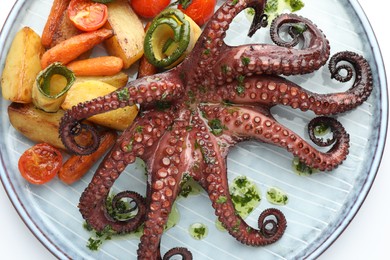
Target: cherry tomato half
x,y
40,163
149,8
199,10
87,15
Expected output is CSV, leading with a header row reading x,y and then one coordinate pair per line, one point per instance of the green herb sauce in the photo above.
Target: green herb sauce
x,y
219,226
189,186
276,196
302,169
198,231
245,195
97,238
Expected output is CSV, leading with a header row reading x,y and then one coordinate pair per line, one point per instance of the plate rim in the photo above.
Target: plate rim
x,y
382,132
318,250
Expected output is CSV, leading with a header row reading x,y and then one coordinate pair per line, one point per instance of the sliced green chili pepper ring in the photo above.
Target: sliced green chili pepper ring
x,y
167,38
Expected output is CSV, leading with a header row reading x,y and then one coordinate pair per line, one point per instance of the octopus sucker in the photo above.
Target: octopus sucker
x,y
192,115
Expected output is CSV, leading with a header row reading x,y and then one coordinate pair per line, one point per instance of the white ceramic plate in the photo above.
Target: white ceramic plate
x,y
320,206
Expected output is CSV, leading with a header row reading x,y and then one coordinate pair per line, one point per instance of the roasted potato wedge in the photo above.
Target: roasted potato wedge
x,y
35,124
127,42
118,80
22,66
118,119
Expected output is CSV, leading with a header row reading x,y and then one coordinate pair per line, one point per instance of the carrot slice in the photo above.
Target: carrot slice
x,y
73,47
100,66
78,165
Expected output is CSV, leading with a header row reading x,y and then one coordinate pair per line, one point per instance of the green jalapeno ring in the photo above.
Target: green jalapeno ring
x,y
42,98
175,19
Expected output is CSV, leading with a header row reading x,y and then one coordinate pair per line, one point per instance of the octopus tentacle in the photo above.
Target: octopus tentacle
x,y
211,45
183,252
246,60
167,167
273,90
215,183
214,180
247,122
92,203
145,91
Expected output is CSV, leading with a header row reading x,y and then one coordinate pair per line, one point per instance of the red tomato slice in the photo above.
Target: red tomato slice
x,y
87,15
199,10
149,8
40,163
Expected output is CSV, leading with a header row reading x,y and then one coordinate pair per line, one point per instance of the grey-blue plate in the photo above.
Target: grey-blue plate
x,y
320,206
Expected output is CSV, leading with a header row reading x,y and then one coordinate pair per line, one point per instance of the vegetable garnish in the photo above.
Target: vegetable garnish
x,y
199,10
169,38
149,8
40,163
274,7
87,15
46,97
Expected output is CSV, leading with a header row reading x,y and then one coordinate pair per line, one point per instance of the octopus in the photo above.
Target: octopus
x,y
193,114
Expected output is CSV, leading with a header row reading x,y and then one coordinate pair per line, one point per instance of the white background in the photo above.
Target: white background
x,y
365,238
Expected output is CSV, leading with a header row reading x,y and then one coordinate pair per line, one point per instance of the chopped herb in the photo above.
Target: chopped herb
x,y
250,11
216,127
236,227
139,129
241,79
245,61
245,195
164,95
206,52
97,239
123,94
234,2
188,186
240,89
277,196
274,7
198,230
321,129
225,69
129,146
301,168
221,199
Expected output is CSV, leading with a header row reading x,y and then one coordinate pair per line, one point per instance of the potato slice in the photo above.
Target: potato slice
x,y
118,80
118,119
128,40
35,124
22,66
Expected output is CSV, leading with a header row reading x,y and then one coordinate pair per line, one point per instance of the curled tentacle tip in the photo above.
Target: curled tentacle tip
x,y
79,138
272,224
136,206
324,123
181,251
